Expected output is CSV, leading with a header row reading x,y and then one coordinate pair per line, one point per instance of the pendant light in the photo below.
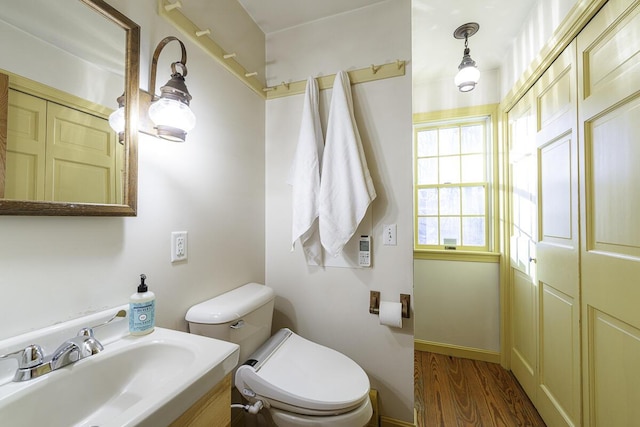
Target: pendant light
x,y
468,74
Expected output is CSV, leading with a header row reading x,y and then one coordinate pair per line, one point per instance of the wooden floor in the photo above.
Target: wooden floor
x,y
460,392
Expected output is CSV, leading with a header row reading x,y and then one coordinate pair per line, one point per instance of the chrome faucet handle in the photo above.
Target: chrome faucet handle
x,y
30,356
86,332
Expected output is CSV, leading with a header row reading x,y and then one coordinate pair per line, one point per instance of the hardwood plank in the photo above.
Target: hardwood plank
x,y
452,391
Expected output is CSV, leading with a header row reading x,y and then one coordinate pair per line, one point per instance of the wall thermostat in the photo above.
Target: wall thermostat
x,y
364,254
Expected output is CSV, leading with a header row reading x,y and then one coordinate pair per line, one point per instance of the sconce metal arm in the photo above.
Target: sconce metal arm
x,y
154,62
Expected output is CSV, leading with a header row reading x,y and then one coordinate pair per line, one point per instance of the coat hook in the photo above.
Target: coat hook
x,y
251,74
286,85
269,89
229,55
375,69
400,64
172,6
203,32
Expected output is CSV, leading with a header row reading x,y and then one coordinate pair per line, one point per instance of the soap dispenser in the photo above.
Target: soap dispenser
x,y
142,309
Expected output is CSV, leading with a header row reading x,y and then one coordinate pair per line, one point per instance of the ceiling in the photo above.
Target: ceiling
x,y
436,54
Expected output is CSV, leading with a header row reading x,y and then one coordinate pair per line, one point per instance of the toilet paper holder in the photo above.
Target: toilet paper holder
x,y
374,303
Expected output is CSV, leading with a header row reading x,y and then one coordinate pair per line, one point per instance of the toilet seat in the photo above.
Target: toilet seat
x,y
298,375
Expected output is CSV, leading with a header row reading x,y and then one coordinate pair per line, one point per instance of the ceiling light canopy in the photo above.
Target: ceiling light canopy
x,y
468,74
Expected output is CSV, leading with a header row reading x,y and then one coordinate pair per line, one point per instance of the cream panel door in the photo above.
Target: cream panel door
x,y
558,395
26,138
609,118
523,290
80,148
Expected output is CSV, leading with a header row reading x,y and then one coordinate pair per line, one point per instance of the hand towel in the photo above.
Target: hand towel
x,y
346,188
304,177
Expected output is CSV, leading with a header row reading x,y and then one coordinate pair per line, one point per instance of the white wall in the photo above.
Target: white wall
x,y
458,303
57,268
537,31
442,94
330,305
30,57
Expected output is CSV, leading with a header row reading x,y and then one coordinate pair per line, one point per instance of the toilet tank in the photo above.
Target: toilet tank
x,y
241,316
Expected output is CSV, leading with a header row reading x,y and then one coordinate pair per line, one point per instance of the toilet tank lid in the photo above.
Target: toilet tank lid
x,y
232,305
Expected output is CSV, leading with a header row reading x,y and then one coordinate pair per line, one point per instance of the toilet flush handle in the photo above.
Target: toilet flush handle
x,y
239,324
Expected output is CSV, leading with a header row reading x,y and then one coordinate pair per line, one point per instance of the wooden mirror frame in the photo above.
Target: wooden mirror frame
x,y
130,190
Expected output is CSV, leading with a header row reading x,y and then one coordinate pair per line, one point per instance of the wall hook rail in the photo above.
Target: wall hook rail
x,y
362,75
202,38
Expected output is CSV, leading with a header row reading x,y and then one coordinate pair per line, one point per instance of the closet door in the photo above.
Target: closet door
x,y
523,290
609,117
558,389
26,140
80,148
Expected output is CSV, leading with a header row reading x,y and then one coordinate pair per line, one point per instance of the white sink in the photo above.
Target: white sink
x,y
135,381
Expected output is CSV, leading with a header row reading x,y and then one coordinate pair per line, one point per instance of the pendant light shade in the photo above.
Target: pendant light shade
x,y
468,74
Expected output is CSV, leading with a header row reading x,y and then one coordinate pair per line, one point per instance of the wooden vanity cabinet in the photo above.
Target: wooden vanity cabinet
x,y
214,408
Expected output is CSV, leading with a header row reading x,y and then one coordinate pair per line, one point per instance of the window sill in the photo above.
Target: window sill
x,y
469,256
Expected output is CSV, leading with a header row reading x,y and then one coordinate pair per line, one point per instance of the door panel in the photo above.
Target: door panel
x,y
558,355
614,352
609,93
81,148
558,396
26,127
524,290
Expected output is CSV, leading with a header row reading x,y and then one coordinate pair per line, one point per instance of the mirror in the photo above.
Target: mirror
x,y
90,53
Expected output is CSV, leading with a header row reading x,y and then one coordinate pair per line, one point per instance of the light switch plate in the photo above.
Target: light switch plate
x,y
178,246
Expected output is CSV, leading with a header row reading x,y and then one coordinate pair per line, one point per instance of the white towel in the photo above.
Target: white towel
x,y
304,176
346,189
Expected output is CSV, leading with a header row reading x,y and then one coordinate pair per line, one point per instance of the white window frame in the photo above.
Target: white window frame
x,y
462,117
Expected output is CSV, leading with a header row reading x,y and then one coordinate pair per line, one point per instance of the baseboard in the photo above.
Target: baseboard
x,y
457,351
375,418
390,422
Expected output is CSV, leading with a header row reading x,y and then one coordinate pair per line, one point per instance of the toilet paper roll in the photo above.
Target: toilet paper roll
x,y
391,314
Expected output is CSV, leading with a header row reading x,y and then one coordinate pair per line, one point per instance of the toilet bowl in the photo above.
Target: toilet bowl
x,y
300,383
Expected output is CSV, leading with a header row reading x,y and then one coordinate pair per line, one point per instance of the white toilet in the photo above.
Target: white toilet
x,y
300,383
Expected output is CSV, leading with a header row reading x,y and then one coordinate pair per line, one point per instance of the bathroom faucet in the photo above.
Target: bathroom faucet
x,y
82,345
32,363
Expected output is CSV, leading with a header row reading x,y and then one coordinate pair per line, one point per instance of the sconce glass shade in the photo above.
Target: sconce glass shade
x,y
172,118
117,119
171,113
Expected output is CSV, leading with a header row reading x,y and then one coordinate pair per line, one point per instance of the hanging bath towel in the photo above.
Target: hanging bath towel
x,y
304,177
346,189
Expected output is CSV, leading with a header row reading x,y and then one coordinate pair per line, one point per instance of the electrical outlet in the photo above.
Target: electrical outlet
x,y
389,234
178,246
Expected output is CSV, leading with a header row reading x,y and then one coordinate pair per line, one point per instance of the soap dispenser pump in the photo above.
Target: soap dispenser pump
x,y
142,309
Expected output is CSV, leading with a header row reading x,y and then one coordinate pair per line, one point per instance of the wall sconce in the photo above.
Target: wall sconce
x,y
468,74
167,116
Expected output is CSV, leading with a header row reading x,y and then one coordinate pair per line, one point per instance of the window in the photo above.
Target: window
x,y
452,184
